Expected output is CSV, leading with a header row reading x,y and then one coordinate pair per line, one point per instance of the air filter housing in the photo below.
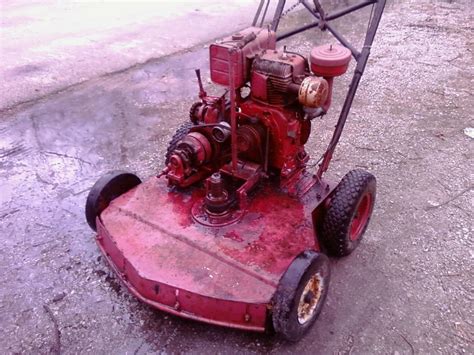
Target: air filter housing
x,y
329,60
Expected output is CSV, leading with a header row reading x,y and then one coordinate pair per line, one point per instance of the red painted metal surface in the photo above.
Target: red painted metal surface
x,y
289,134
246,44
220,275
193,151
329,60
273,73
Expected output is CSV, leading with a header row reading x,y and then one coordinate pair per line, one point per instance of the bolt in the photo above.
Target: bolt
x,y
215,184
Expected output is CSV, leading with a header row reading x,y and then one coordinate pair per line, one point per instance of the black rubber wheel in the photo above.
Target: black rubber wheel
x,y
108,187
180,133
349,212
300,295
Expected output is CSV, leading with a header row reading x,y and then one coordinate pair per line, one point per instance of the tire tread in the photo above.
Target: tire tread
x,y
336,222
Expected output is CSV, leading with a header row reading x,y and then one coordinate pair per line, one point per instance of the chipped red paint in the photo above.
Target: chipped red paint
x,y
220,275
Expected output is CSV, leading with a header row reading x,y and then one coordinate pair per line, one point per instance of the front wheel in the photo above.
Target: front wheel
x,y
108,187
349,212
300,295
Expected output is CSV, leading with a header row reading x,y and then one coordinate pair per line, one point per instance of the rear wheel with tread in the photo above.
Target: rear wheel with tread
x,y
349,212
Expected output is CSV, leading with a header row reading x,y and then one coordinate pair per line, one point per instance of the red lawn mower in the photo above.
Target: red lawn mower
x,y
231,232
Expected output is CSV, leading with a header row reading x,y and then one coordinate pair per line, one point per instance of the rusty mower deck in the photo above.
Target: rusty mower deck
x,y
227,275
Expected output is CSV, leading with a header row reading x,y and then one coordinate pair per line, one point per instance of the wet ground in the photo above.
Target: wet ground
x,y
46,46
407,289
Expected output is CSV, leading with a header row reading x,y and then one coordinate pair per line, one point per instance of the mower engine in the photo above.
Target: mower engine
x,y
245,135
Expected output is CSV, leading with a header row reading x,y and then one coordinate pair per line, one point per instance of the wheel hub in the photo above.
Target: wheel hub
x,y
360,218
310,298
